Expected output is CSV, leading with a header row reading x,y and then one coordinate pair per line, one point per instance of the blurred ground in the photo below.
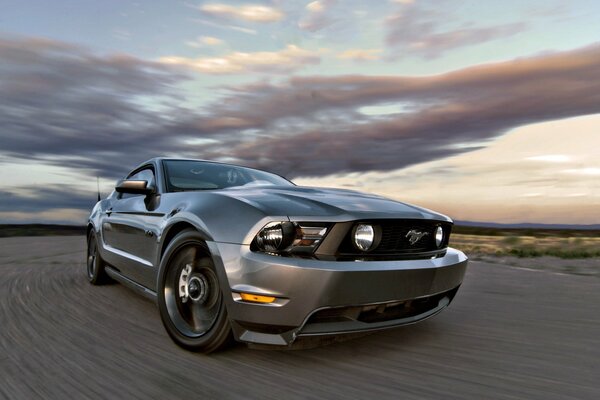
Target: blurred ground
x,y
511,333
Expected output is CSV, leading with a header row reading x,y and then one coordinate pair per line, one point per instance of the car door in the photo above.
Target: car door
x,y
130,229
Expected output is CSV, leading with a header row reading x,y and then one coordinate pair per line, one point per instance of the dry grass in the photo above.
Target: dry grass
x,y
527,246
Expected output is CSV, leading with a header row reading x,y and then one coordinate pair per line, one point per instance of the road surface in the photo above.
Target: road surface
x,y
509,334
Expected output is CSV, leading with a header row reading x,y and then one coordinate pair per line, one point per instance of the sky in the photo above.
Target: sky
x,y
485,111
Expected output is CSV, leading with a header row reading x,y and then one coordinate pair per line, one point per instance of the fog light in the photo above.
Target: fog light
x,y
363,237
439,236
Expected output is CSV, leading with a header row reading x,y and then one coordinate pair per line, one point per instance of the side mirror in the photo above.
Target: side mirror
x,y
134,187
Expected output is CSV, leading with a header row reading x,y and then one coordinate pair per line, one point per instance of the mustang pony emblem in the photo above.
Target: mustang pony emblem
x,y
414,236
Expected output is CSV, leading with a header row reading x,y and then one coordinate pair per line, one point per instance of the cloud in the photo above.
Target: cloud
x,y
39,198
583,171
315,6
225,26
204,41
249,13
360,54
311,126
40,204
63,105
288,59
317,16
552,158
416,30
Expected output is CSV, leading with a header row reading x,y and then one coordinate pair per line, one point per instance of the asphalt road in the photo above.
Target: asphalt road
x,y
509,334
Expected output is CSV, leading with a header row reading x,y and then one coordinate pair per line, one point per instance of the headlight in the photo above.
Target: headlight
x,y
275,236
439,236
282,237
363,237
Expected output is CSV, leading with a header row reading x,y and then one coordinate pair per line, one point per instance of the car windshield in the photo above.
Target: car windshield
x,y
185,175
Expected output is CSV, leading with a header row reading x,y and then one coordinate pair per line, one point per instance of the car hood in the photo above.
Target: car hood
x,y
298,201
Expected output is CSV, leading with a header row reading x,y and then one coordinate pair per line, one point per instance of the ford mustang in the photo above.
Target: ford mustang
x,y
229,252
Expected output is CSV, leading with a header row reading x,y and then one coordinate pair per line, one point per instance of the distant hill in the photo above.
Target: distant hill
x,y
7,230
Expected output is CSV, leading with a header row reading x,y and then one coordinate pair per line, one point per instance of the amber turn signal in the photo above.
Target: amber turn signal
x,y
255,298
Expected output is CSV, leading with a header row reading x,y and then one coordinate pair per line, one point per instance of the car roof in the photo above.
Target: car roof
x,y
157,160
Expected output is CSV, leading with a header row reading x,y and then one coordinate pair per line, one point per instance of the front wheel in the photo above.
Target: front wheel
x,y
189,296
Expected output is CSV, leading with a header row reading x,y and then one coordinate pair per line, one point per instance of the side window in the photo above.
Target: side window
x,y
143,175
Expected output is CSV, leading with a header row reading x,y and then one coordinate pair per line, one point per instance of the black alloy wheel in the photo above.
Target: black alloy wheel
x,y
189,296
95,265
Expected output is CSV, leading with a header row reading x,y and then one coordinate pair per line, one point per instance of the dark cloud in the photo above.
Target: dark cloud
x,y
64,105
38,199
415,29
442,114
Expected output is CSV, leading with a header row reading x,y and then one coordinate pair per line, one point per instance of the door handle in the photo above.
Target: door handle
x,y
109,211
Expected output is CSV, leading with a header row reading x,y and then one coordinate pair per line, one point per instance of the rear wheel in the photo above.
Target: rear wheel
x,y
189,296
95,265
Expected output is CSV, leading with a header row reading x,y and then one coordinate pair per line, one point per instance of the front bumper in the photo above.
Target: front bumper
x,y
329,297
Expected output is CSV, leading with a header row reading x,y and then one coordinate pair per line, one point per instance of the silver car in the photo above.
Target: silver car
x,y
230,252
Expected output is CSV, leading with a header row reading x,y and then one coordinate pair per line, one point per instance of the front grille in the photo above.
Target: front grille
x,y
380,312
395,239
405,309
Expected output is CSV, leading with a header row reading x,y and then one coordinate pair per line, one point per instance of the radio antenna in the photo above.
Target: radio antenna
x,y
98,185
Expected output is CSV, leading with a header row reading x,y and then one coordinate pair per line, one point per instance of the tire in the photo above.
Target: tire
x,y
95,265
189,296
